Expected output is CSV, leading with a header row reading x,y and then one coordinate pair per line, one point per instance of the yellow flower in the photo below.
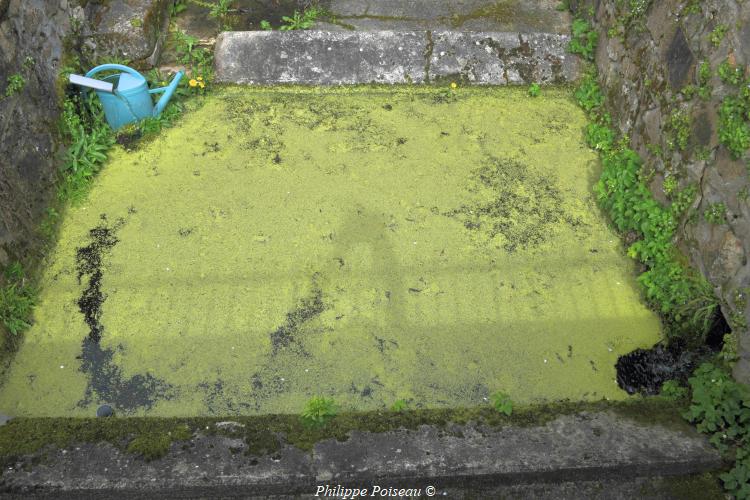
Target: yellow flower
x,y
193,82
199,78
201,84
454,85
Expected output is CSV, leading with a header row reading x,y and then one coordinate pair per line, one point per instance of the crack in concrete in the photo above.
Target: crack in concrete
x,y
428,56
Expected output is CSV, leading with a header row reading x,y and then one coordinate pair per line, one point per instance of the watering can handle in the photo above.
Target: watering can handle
x,y
106,67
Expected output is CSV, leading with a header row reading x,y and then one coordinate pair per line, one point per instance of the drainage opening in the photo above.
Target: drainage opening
x,y
645,370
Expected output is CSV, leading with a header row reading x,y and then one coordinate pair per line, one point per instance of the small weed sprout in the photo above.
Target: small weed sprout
x,y
669,184
716,213
718,34
302,21
318,411
704,77
14,84
399,406
502,403
266,26
176,7
535,90
730,74
679,126
219,10
734,130
17,298
692,7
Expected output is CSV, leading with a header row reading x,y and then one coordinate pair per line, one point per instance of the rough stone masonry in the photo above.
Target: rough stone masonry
x,y
643,73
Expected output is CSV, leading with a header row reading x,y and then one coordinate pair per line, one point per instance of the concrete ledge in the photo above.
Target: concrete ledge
x,y
573,448
336,57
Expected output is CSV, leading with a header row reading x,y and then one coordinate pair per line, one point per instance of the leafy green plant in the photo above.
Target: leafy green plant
x,y
176,7
584,39
91,137
600,137
704,77
535,90
716,213
671,389
17,298
734,131
692,7
588,94
730,73
502,403
199,60
302,21
678,127
14,84
720,407
682,296
669,185
318,411
681,200
718,34
266,26
399,406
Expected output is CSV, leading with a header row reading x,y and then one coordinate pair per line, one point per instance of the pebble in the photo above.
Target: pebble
x,y
104,411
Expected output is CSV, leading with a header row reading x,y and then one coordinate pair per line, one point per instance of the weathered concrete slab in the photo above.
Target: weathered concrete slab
x,y
585,447
462,15
502,58
319,57
575,447
330,58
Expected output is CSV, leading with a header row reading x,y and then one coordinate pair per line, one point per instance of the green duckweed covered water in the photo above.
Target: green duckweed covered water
x,y
368,244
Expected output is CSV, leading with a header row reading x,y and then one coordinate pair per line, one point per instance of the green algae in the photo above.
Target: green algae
x,y
367,244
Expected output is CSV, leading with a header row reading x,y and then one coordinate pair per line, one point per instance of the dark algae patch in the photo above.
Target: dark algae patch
x,y
89,265
288,334
524,206
105,380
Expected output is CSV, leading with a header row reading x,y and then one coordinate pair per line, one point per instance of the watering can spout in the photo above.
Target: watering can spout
x,y
168,93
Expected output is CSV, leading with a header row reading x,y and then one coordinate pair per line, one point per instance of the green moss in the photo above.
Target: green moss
x,y
153,444
694,487
151,438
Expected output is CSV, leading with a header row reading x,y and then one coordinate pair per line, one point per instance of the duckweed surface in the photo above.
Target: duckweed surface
x,y
366,244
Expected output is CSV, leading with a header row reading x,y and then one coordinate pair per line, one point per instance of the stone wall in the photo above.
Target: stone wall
x,y
647,60
30,149
28,143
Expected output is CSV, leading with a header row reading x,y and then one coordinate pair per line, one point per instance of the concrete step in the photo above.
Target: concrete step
x,y
521,16
577,455
356,57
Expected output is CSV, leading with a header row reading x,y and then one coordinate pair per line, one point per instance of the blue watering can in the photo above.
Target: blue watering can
x,y
126,97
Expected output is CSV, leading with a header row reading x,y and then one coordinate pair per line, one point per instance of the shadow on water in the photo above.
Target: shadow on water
x,y
105,379
645,370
